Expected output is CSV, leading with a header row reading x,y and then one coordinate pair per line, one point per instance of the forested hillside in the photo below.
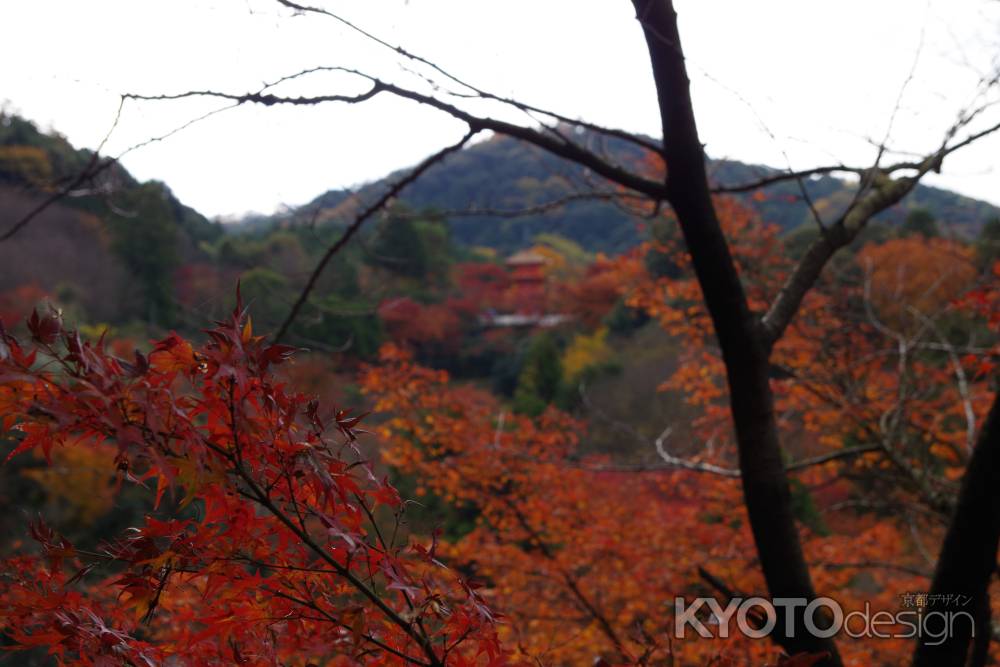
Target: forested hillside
x,y
108,249
504,176
116,252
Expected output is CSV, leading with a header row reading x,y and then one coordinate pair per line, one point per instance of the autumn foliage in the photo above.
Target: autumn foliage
x,y
272,534
268,538
586,557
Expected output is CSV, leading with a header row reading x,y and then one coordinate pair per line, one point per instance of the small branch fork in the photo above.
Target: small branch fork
x,y
261,495
672,462
360,220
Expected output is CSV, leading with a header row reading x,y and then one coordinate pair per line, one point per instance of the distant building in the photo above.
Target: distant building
x,y
527,294
527,280
524,320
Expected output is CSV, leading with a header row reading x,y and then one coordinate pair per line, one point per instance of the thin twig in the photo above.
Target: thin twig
x,y
359,221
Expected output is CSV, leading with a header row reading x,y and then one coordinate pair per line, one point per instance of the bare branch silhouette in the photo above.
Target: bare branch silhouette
x,y
360,220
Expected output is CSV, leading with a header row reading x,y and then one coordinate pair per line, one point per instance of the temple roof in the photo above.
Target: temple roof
x,y
526,257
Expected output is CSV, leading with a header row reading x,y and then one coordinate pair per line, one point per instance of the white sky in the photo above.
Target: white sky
x,y
819,76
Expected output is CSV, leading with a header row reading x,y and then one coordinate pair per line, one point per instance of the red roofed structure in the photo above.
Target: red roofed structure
x,y
527,277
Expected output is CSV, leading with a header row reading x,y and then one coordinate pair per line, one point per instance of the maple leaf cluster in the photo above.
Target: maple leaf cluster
x,y
268,538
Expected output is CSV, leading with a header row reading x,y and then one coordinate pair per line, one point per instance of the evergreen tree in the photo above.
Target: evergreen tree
x,y
988,244
541,377
144,235
920,221
399,248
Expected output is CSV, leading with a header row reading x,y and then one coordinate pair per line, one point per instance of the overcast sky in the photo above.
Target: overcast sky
x,y
775,81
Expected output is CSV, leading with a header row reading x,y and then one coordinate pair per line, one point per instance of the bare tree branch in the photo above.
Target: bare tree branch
x,y
876,565
672,462
783,177
360,220
475,91
544,207
556,145
960,378
91,170
879,190
94,167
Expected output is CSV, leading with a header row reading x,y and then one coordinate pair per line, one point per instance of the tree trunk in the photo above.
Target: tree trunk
x,y
968,556
744,350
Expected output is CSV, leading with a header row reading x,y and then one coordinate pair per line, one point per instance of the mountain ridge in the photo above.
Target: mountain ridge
x,y
505,174
499,174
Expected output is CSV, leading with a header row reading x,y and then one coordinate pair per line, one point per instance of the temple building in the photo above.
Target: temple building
x,y
527,282
527,297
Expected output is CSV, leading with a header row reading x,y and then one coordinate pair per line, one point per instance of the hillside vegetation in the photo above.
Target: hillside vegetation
x,y
502,175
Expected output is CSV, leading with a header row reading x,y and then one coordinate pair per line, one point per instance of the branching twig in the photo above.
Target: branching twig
x,y
359,221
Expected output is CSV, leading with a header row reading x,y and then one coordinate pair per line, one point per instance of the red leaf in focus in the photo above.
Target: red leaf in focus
x,y
44,328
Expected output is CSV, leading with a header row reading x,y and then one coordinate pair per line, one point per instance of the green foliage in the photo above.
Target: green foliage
x,y
873,232
798,240
659,264
144,236
505,174
280,250
988,244
430,512
623,321
58,155
920,221
417,249
541,378
505,372
399,249
436,241
570,250
30,157
586,354
268,295
25,165
804,507
343,324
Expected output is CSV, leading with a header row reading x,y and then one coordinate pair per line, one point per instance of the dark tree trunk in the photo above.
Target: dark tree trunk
x,y
744,348
968,556
980,654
